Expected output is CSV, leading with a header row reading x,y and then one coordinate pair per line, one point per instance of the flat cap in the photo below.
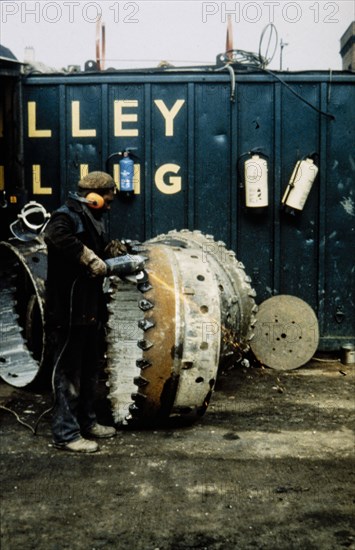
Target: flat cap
x,y
97,180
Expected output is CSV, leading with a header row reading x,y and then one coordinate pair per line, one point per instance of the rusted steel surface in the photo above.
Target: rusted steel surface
x,y
190,301
238,307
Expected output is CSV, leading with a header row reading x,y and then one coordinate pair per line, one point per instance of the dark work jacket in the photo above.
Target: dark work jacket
x,y
71,295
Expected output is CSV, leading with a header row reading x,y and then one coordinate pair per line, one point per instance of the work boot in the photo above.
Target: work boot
x,y
100,431
80,445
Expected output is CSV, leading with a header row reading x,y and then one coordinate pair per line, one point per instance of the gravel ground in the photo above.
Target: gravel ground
x,y
269,466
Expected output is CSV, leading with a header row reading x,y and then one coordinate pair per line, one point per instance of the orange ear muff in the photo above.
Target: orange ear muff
x,y
95,200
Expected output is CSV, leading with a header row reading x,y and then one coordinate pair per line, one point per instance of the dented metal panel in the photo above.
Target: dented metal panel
x,y
189,137
337,242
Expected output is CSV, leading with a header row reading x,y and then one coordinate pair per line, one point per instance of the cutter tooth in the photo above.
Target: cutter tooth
x,y
144,287
140,381
143,364
145,305
138,398
146,324
145,344
134,410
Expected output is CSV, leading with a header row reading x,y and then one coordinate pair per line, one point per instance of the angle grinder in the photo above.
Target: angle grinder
x,y
125,265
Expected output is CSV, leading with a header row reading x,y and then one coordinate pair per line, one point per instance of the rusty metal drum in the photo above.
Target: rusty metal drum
x,y
192,310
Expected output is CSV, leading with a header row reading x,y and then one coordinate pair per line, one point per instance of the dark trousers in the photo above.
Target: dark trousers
x,y
76,360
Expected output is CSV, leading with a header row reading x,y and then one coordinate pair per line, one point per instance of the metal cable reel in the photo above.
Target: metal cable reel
x,y
194,311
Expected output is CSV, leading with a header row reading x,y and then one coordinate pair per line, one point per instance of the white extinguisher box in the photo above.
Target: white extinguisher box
x,y
256,182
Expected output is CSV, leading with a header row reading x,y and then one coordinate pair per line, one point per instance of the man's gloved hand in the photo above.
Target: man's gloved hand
x,y
96,266
115,248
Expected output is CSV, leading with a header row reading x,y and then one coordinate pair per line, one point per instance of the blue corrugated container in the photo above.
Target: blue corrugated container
x,y
189,137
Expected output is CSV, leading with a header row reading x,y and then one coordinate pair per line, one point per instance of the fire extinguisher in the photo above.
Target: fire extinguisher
x,y
126,172
254,179
300,184
126,164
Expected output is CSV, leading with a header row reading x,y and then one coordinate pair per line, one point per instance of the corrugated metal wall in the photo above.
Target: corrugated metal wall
x,y
189,135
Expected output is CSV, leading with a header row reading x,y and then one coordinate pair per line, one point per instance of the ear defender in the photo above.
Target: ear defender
x,y
95,200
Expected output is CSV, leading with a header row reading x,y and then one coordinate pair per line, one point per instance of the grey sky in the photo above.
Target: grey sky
x,y
141,33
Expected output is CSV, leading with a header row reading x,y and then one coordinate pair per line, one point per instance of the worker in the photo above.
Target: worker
x,y
77,244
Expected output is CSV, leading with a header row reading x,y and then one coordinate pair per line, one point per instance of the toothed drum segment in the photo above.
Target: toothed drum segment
x,y
195,312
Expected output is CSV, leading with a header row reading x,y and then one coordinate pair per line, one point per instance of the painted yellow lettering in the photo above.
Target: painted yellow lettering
x,y
76,130
169,115
120,118
137,178
84,170
174,182
116,175
36,182
32,130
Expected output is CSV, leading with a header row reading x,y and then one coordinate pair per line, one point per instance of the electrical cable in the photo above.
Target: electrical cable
x,y
326,360
254,61
59,357
2,407
242,58
232,75
251,60
329,115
